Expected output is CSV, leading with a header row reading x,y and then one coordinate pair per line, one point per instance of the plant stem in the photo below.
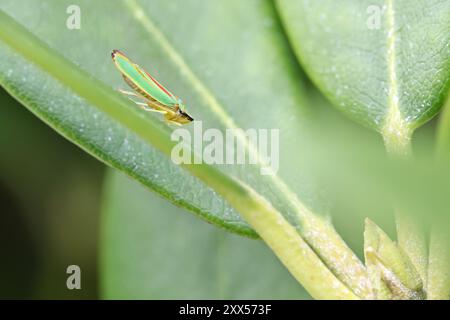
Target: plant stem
x,y
410,236
290,247
397,136
439,257
438,287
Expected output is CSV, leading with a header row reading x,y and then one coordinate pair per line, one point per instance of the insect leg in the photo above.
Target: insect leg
x,y
154,107
128,93
133,94
142,105
146,107
154,110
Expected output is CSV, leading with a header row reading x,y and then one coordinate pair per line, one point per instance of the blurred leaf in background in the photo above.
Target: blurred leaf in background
x,y
49,191
151,249
392,76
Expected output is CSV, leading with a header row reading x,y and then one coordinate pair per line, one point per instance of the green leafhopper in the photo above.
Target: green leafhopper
x,y
156,98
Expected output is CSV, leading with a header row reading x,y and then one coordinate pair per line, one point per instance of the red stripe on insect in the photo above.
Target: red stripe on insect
x,y
158,84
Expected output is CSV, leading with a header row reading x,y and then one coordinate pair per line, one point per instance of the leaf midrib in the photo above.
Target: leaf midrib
x,y
396,131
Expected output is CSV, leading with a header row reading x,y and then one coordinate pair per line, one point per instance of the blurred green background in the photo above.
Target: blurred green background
x,y
49,208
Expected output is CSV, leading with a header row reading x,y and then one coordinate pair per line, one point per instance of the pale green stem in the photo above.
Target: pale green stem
x,y
397,136
291,248
439,258
438,287
410,236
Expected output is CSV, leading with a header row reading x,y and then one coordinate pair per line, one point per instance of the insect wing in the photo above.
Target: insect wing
x,y
158,86
142,80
